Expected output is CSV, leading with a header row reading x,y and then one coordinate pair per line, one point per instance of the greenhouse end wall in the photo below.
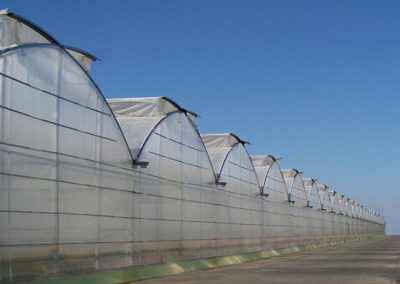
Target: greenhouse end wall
x,y
76,198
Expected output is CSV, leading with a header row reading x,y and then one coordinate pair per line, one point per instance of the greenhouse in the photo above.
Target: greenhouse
x,y
89,184
315,219
297,198
339,223
341,202
239,213
325,202
270,177
347,207
313,199
296,191
332,195
274,194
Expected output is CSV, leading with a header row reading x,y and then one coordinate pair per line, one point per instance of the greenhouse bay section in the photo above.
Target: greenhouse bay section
x,y
89,185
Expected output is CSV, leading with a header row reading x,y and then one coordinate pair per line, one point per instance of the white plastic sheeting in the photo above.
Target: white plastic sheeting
x,y
316,217
313,199
83,58
61,154
277,216
296,190
143,107
333,198
15,30
326,207
341,203
324,198
239,213
270,178
347,206
297,199
138,118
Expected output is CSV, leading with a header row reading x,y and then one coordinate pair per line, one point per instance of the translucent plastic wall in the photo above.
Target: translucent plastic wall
x,y
341,204
270,177
316,221
178,196
313,199
326,207
297,200
276,219
347,207
344,228
334,210
15,31
239,213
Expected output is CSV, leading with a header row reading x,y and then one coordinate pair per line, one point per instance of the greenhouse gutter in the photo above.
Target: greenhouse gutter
x,y
174,268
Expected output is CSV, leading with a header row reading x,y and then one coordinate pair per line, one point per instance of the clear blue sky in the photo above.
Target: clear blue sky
x,y
315,82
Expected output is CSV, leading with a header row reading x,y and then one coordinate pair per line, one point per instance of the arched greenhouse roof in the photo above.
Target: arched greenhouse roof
x,y
232,164
16,30
342,204
347,207
313,199
146,107
363,212
324,197
138,117
353,208
295,187
219,146
333,198
83,57
270,177
262,165
263,160
357,208
73,88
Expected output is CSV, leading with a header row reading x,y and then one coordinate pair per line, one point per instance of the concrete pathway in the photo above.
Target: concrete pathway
x,y
371,261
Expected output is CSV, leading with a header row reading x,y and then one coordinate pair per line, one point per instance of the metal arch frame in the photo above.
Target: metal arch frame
x,y
323,197
314,185
242,142
217,182
348,206
298,174
218,174
266,175
265,179
239,141
341,198
180,110
248,156
274,160
289,194
332,195
61,49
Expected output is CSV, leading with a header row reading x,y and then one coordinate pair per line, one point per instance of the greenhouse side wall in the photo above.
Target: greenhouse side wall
x,y
72,200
